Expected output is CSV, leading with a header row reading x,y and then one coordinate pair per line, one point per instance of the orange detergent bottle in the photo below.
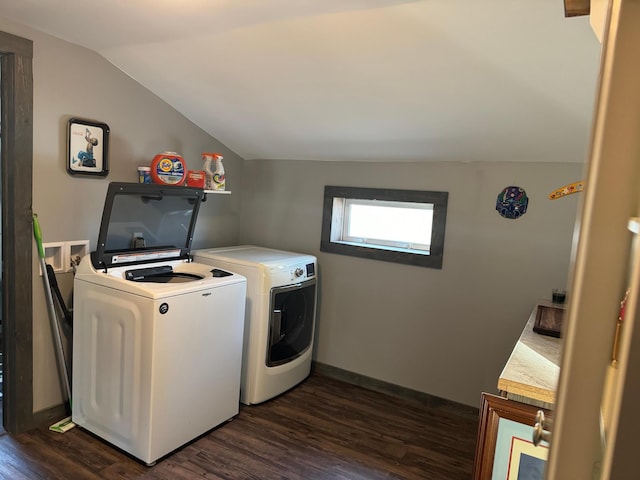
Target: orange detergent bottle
x,y
168,168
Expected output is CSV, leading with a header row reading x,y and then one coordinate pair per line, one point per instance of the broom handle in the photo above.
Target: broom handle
x,y
55,328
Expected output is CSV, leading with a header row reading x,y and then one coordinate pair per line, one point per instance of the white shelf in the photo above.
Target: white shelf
x,y
220,192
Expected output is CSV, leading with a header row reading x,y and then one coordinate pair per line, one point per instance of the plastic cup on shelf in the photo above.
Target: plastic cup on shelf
x,y
558,295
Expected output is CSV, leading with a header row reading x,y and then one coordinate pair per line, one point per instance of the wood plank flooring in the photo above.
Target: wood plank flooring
x,y
323,429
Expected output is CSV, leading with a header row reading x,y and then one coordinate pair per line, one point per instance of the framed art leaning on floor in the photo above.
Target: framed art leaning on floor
x,y
505,450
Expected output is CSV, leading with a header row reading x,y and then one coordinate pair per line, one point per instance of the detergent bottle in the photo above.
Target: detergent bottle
x,y
214,171
208,171
168,168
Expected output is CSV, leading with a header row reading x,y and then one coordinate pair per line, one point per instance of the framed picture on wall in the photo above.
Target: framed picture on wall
x,y
87,147
505,447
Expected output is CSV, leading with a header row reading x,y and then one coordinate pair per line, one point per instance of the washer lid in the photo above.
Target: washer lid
x,y
146,223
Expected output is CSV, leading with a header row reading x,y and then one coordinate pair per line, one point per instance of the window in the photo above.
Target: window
x,y
402,226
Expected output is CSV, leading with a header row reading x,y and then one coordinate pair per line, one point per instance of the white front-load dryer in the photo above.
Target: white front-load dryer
x,y
279,316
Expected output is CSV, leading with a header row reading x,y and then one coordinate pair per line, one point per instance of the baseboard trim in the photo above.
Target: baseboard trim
x,y
376,385
50,415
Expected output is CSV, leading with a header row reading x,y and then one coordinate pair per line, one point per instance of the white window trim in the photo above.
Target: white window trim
x,y
374,242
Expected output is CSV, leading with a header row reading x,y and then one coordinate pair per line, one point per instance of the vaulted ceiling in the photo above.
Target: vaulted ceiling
x,y
460,80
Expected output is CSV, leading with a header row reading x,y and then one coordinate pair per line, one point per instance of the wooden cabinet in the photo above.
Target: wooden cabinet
x,y
527,384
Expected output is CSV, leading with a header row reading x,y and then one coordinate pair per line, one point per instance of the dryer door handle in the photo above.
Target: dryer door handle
x,y
276,326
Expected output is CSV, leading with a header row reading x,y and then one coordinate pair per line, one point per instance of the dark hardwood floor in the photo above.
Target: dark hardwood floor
x,y
323,429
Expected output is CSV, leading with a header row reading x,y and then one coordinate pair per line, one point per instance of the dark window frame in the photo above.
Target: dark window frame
x,y
438,199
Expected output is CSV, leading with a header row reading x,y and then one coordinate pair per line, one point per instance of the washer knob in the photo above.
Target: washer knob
x,y
298,272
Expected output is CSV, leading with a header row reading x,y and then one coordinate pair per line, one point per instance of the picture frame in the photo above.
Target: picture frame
x,y
87,147
505,449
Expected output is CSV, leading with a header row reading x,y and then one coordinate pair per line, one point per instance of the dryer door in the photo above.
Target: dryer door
x,y
291,322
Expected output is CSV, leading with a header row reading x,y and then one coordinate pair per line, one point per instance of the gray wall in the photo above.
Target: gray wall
x,y
445,332
73,81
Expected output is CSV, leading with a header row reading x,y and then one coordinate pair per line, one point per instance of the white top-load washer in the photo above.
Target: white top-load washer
x,y
157,343
279,316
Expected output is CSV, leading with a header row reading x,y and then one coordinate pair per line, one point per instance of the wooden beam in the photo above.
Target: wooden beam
x,y
575,8
16,164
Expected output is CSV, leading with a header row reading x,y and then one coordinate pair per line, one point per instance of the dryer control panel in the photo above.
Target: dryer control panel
x,y
303,271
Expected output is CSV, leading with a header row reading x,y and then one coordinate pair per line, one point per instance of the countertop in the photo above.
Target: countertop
x,y
531,373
